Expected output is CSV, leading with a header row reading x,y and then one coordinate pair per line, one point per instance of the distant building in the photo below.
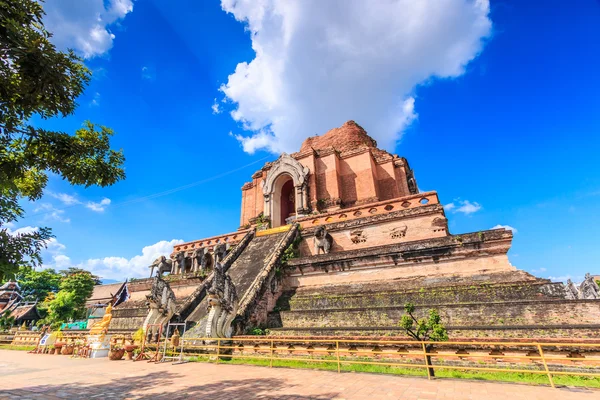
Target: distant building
x,y
101,297
12,304
10,296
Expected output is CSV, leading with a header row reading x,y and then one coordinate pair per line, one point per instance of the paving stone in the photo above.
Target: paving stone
x,y
32,376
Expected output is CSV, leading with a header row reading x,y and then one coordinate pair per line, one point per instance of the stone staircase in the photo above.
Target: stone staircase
x,y
251,272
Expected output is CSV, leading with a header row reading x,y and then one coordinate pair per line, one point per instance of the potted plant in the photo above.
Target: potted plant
x,y
138,336
67,349
116,352
58,347
129,348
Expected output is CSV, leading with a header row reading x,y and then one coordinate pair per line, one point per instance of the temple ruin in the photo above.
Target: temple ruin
x,y
334,240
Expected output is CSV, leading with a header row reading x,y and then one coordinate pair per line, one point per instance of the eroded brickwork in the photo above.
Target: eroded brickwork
x,y
346,169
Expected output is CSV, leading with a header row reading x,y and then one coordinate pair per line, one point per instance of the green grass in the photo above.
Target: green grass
x,y
515,377
11,347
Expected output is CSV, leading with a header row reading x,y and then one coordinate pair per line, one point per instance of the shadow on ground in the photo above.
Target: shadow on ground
x,y
163,386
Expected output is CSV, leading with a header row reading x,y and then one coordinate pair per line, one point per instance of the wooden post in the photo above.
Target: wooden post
x,y
546,366
337,352
271,356
426,362
218,349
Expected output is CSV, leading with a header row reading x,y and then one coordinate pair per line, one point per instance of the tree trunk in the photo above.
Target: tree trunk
x,y
428,348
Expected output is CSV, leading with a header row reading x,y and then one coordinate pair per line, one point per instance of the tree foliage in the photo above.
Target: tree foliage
x,y
37,285
81,286
424,329
74,270
60,309
37,80
6,322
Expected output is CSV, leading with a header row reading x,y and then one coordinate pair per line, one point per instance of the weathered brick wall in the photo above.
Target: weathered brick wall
x,y
565,333
463,255
379,234
492,314
428,296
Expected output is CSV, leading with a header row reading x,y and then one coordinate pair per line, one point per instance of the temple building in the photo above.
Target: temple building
x,y
13,305
334,239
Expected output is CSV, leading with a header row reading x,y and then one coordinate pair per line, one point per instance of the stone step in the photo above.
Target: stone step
x,y
490,314
319,299
516,332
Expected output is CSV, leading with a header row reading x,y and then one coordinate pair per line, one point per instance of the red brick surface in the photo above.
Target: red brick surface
x,y
29,376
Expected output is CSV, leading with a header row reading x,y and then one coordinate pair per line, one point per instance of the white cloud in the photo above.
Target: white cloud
x,y
321,63
449,206
510,228
51,213
464,206
539,270
67,199
563,278
114,267
215,107
98,207
96,100
148,73
54,246
22,230
84,24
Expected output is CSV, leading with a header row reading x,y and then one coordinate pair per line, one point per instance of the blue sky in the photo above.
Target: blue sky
x,y
495,106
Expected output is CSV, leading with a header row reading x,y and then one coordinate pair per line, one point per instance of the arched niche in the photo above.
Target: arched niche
x,y
287,177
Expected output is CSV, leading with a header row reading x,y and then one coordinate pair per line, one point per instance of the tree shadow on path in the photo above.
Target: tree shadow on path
x,y
169,385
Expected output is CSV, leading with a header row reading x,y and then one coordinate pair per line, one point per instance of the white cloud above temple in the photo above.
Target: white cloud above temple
x,y
321,63
464,206
84,25
110,267
510,228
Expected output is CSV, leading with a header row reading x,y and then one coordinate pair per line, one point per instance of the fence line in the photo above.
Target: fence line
x,y
269,349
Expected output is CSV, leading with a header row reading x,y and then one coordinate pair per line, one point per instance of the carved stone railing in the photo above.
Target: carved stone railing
x,y
379,208
231,238
257,287
194,299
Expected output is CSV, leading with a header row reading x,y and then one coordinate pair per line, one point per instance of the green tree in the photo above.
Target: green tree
x,y
37,80
60,309
36,285
81,286
74,270
424,329
6,322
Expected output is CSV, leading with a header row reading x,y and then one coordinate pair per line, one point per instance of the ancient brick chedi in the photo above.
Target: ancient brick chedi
x,y
334,239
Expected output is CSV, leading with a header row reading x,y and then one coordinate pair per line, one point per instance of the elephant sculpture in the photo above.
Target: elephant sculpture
x,y
220,251
202,260
322,241
163,264
179,263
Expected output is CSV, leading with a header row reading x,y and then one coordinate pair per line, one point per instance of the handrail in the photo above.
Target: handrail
x,y
270,349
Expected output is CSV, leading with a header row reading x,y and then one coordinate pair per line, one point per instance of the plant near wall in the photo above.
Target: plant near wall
x,y
6,322
321,204
262,222
290,253
424,329
258,331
